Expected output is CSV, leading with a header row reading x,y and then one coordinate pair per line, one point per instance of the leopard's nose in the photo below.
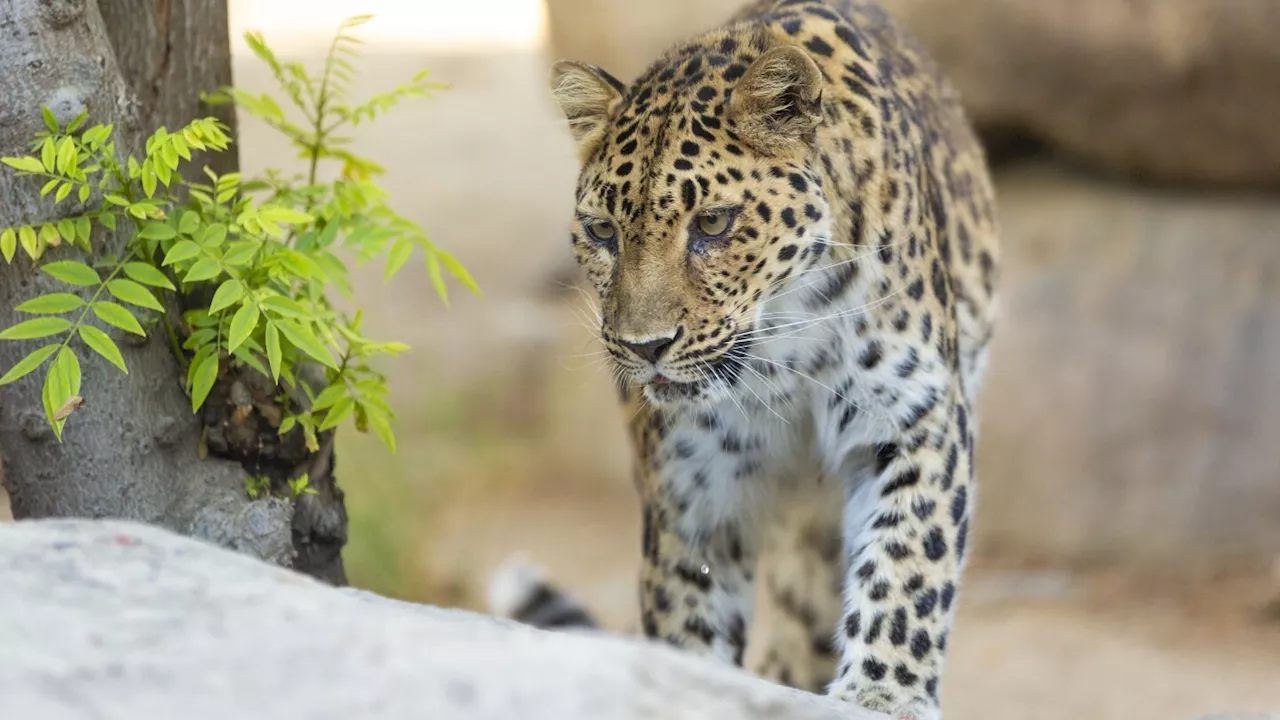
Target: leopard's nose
x,y
650,350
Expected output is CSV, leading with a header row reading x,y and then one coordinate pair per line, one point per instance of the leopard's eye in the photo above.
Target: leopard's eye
x,y
713,223
602,231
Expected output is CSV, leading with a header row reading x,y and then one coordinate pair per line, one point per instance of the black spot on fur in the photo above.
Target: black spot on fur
x,y
935,546
909,477
897,550
818,46
921,644
787,252
939,282
853,624
959,504
872,356
926,603
874,669
905,677
873,631
898,628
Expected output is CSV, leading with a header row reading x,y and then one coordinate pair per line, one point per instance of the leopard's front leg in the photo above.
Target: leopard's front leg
x,y
699,556
906,527
696,590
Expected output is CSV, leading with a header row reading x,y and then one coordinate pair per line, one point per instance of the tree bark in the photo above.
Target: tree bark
x,y
136,450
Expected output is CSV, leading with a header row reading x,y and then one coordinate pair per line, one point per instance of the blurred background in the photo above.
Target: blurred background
x,y
1127,558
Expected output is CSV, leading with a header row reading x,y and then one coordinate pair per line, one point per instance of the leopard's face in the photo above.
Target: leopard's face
x,y
686,222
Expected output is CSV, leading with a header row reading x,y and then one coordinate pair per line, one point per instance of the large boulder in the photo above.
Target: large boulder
x,y
106,620
1165,90
1130,411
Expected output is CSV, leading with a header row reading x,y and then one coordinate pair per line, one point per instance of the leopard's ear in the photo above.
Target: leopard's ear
x,y
778,101
587,96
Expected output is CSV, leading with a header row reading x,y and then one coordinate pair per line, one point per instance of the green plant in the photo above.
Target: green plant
x,y
266,252
256,486
300,486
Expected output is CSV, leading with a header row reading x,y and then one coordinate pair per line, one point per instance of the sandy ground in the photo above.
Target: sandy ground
x,y
534,460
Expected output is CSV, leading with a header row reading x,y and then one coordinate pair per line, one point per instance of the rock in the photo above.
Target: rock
x,y
1130,409
109,619
1165,90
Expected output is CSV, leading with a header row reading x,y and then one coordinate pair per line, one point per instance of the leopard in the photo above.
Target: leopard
x,y
788,227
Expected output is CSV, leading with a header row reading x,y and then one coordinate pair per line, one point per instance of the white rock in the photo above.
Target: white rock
x,y
105,620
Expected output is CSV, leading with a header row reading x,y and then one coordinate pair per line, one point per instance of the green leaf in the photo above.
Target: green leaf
x,y
83,193
72,272
329,396
48,154
78,121
243,354
36,328
433,269
273,350
69,367
8,243
157,231
283,306
148,180
84,229
131,292
340,411
108,221
67,230
381,425
55,394
148,274
228,293
203,269
213,235
50,121
243,324
51,304
240,253
281,214
27,235
66,155
203,374
119,316
103,345
305,340
190,221
181,250
399,254
457,270
28,164
28,364
63,192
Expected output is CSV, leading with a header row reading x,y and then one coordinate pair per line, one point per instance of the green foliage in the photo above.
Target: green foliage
x,y
270,249
256,486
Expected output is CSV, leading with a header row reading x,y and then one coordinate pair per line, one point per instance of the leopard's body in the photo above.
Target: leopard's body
x,y
804,380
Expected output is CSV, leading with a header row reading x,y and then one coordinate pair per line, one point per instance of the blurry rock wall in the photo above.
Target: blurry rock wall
x,y
1133,406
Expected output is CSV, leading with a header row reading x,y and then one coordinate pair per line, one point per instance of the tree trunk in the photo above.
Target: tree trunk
x,y
135,450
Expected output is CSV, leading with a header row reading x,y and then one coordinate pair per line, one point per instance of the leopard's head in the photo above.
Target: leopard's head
x,y
699,198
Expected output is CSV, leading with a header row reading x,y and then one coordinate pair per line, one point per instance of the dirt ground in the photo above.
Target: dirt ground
x,y
509,441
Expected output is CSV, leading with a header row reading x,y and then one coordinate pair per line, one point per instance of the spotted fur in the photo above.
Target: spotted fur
x,y
805,382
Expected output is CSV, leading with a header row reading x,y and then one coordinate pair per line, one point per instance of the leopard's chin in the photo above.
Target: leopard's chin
x,y
670,392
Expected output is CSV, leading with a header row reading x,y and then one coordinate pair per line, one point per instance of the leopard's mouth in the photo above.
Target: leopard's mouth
x,y
718,375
